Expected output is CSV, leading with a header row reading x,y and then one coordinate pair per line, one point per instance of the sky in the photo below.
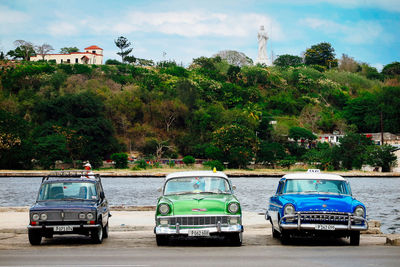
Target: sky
x,y
180,30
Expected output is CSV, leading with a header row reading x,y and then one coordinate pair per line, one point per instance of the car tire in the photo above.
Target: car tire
x,y
97,235
35,238
285,237
355,239
105,231
275,233
162,240
234,239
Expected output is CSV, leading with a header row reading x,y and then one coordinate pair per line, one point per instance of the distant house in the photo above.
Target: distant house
x,y
92,55
388,138
329,138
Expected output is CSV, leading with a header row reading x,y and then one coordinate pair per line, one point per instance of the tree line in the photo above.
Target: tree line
x,y
221,108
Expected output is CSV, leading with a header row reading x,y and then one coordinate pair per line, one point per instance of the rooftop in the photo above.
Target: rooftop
x,y
196,174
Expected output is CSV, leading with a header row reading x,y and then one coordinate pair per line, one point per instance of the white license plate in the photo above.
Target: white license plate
x,y
63,228
192,232
328,227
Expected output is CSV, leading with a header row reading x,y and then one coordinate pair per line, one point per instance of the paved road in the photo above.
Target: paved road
x,y
138,248
205,256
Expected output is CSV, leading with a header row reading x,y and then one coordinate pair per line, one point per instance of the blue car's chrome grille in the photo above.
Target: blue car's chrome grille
x,y
198,220
328,218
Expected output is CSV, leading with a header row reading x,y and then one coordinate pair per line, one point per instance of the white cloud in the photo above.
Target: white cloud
x,y
63,29
195,24
361,32
10,20
387,5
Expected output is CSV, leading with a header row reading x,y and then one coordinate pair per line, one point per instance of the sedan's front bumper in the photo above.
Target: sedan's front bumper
x,y
296,223
166,230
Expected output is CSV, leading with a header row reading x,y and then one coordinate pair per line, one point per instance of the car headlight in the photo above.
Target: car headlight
x,y
35,217
90,216
43,216
163,209
82,216
164,222
289,209
233,207
359,211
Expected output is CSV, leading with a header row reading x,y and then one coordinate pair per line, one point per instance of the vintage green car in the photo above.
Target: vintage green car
x,y
198,204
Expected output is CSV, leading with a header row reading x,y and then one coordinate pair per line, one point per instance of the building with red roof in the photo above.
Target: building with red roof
x,y
92,55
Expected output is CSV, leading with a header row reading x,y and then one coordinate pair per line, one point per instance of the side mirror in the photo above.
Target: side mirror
x,y
233,187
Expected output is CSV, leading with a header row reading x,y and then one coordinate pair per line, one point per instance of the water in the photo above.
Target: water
x,y
381,196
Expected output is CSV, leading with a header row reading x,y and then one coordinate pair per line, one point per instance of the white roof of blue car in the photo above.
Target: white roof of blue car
x,y
196,174
313,176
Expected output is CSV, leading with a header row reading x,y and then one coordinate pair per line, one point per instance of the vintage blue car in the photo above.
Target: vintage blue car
x,y
315,204
71,202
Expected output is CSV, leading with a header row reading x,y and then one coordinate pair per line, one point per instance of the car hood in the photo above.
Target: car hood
x,y
199,203
319,202
63,205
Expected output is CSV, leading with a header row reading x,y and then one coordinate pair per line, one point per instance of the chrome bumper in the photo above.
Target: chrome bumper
x,y
45,227
297,225
166,230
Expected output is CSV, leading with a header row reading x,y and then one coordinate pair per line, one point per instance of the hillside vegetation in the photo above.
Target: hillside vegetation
x,y
210,110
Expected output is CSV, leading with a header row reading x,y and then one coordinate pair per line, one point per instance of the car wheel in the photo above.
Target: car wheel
x,y
35,238
97,235
355,239
275,233
285,237
162,240
105,231
234,239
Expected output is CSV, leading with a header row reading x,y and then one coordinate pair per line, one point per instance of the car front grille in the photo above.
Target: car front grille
x,y
324,218
59,215
197,220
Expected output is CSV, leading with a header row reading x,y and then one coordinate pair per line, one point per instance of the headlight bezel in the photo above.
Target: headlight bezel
x,y
163,211
90,216
289,209
358,208
43,216
233,207
35,217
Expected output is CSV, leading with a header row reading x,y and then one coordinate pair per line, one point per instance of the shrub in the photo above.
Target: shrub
x,y
214,164
188,160
141,164
121,160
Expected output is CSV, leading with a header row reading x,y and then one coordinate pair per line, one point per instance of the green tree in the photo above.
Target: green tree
x,y
123,44
120,159
298,133
49,149
69,50
237,144
23,50
391,69
382,156
189,160
352,150
270,153
321,54
288,60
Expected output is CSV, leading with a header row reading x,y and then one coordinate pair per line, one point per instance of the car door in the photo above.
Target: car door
x,y
275,205
103,206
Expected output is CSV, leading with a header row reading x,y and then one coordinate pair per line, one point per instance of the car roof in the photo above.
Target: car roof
x,y
313,176
196,174
68,180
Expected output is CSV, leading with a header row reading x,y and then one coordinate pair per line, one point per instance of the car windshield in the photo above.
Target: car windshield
x,y
310,186
190,185
68,191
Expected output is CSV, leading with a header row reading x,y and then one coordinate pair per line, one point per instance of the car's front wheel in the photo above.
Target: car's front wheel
x,y
234,239
162,240
355,239
97,235
35,238
105,231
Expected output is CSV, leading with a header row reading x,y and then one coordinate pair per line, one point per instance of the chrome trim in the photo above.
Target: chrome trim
x,y
161,230
177,228
346,218
276,205
219,226
198,220
52,226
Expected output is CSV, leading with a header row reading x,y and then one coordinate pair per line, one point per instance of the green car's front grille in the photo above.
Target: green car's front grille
x,y
197,220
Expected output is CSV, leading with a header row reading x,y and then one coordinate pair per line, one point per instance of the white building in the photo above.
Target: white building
x,y
92,55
